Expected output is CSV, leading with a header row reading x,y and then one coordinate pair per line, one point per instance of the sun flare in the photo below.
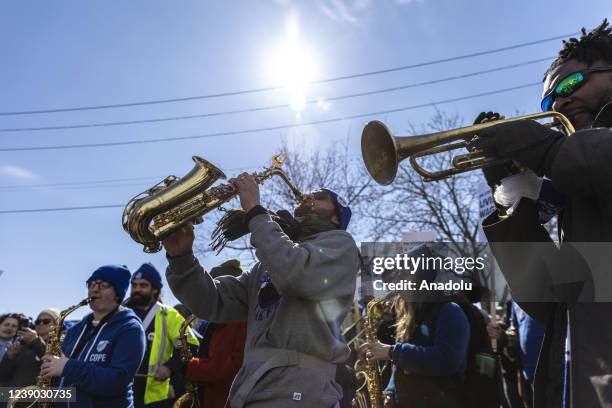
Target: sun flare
x,y
292,65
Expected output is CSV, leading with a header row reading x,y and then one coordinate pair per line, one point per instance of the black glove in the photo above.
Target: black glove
x,y
527,142
484,117
230,227
494,174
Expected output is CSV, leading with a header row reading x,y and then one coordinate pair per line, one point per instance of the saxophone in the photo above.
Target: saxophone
x,y
54,348
371,372
154,214
191,397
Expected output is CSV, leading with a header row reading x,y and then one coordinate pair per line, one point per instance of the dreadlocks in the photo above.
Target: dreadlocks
x,y
592,46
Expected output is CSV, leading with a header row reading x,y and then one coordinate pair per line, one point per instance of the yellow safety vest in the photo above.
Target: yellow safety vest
x,y
166,331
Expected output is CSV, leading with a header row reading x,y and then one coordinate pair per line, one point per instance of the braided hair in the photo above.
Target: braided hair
x,y
590,47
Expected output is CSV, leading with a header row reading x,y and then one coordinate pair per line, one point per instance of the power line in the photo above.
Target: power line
x,y
93,182
62,209
265,89
74,183
93,207
270,128
98,187
271,107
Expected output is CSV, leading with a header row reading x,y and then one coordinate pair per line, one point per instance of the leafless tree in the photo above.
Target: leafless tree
x,y
449,207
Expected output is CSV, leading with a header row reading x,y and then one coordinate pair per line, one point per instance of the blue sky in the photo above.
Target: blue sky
x,y
74,53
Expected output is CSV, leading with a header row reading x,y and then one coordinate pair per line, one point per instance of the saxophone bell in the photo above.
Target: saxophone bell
x,y
155,213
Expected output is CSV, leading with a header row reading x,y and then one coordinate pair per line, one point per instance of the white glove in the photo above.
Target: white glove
x,y
517,186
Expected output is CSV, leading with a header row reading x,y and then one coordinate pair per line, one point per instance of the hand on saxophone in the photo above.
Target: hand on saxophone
x,y
375,351
248,190
53,366
180,242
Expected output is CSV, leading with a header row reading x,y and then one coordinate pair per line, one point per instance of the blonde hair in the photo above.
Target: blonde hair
x,y
405,311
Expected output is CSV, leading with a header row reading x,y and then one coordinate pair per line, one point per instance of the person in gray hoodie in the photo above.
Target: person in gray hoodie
x,y
294,299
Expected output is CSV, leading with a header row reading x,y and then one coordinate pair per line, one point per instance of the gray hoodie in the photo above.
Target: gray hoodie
x,y
295,298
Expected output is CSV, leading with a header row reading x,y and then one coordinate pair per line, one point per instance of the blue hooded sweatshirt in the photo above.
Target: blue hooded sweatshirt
x,y
103,371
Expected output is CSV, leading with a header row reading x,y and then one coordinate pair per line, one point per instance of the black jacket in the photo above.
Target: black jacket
x,y
24,368
556,285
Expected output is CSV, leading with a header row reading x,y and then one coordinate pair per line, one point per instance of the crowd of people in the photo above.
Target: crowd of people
x,y
124,353
271,336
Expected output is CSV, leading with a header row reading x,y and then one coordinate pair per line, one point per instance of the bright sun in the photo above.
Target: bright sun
x,y
292,65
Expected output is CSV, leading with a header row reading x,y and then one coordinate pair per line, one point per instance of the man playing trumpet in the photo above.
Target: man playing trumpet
x,y
294,299
556,286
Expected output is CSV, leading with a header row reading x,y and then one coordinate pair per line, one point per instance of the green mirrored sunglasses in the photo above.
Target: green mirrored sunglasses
x,y
569,85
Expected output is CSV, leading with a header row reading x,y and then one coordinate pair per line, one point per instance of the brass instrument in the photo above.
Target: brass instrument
x,y
191,397
54,348
382,152
371,373
155,213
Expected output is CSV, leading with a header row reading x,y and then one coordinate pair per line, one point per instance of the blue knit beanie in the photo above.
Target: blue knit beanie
x,y
148,272
116,275
344,211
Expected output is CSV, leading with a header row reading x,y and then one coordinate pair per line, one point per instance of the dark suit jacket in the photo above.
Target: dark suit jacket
x,y
554,285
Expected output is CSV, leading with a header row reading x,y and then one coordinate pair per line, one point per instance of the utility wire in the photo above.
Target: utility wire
x,y
93,182
75,183
35,210
94,207
264,89
271,107
270,128
98,187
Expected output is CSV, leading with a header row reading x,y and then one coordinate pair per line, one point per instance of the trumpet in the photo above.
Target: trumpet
x,y
382,151
155,213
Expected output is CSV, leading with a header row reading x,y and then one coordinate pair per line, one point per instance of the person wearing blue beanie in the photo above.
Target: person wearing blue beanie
x,y
342,208
293,300
148,272
117,275
161,324
101,353
324,203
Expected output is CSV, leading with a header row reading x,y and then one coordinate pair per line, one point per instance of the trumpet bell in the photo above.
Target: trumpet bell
x,y
379,151
382,151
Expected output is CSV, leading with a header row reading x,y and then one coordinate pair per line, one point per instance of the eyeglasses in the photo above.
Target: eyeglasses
x,y
569,85
42,321
100,284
